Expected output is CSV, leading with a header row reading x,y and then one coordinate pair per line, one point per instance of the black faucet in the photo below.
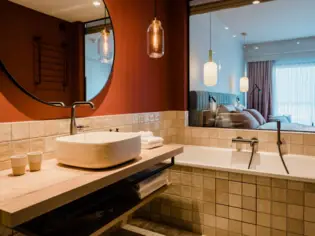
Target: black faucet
x,y
279,143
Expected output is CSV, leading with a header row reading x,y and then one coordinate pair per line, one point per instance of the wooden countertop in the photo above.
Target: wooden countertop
x,y
23,198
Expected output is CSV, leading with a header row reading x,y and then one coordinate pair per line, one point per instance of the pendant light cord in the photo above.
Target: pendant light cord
x,y
155,8
210,31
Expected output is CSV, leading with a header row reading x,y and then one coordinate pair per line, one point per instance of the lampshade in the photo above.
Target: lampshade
x,y
210,73
105,47
244,84
155,39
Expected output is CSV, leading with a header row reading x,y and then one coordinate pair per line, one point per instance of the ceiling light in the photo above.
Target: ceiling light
x,y
234,36
96,3
256,2
298,42
226,27
256,47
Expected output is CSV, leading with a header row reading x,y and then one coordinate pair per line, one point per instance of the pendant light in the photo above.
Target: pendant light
x,y
155,37
105,47
244,82
210,69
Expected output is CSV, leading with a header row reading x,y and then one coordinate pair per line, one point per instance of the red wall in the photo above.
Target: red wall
x,y
138,84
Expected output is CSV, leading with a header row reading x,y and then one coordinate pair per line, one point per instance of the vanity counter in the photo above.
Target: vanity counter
x,y
23,198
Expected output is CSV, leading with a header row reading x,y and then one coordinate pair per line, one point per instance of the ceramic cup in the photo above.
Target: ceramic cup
x,y
18,164
35,160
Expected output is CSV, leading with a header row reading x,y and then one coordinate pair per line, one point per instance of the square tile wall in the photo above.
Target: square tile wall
x,y
23,137
213,202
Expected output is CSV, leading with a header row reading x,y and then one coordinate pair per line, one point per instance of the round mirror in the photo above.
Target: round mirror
x,y
58,51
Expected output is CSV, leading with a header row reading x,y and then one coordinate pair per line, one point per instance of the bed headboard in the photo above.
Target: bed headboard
x,y
199,100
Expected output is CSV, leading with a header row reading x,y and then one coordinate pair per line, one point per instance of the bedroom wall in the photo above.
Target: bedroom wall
x,y
228,54
282,50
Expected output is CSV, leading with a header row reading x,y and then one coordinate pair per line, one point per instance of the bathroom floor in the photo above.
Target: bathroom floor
x,y
156,229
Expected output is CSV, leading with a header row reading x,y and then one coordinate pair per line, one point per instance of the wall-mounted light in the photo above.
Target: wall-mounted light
x,y
105,47
155,37
96,3
210,68
256,2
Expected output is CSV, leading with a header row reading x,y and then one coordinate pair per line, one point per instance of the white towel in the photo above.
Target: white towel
x,y
146,134
151,142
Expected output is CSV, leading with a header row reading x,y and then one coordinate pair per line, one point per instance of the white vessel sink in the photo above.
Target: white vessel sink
x,y
98,150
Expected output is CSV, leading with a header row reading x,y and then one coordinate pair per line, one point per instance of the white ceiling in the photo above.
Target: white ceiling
x,y
272,21
68,10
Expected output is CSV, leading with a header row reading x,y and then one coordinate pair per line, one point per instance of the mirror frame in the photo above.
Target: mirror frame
x,y
17,84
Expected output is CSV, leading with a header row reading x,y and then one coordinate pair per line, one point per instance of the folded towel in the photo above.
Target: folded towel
x,y
151,181
152,188
151,142
146,133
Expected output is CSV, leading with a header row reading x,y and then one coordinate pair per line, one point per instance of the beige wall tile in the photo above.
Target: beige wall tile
x,y
209,208
276,232
6,150
295,226
249,203
309,150
264,219
37,129
266,181
235,226
209,195
309,228
263,192
222,198
309,187
279,209
263,231
175,177
295,185
235,177
309,214
186,191
197,181
222,175
197,218
309,139
235,187
51,127
21,147
295,212
209,220
222,223
209,183
235,213
186,179
186,203
249,216
249,179
37,144
5,132
279,183
50,144
222,210
209,173
264,206
235,200
197,171
279,194
186,215
20,130
222,185
197,193
249,190
227,134
295,197
198,206
278,222
296,149
248,229
309,199
186,169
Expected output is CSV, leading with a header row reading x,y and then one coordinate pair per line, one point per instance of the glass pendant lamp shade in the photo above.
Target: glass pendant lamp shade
x,y
155,39
105,47
244,84
210,72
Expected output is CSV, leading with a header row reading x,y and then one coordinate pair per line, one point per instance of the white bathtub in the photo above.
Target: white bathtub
x,y
301,168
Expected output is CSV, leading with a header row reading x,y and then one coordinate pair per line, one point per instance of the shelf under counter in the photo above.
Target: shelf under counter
x,y
26,197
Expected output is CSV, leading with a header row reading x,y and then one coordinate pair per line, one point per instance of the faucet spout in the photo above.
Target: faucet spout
x,y
279,143
73,125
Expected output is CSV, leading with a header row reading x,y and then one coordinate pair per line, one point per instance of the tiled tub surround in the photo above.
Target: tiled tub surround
x,y
213,202
22,137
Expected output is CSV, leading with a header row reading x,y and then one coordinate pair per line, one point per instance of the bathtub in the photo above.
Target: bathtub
x,y
301,168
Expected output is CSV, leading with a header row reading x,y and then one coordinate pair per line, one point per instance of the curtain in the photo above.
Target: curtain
x,y
294,91
259,95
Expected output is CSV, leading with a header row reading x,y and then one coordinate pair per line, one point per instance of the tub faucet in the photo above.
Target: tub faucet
x,y
73,125
252,142
279,143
